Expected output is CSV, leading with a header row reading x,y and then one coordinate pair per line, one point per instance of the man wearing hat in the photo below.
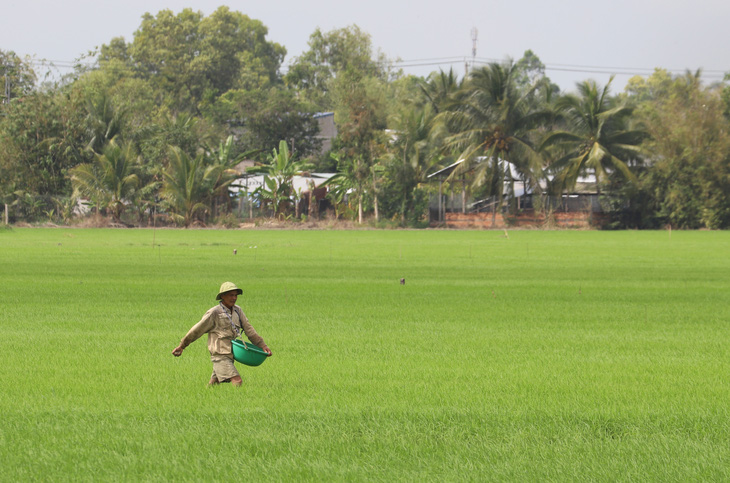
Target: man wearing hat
x,y
223,323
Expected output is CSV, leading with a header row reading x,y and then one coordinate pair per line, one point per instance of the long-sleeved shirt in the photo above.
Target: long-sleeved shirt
x,y
222,326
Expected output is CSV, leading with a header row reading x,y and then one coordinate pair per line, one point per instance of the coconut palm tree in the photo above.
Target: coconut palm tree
x,y
440,89
187,185
492,126
353,177
411,156
598,137
104,120
339,187
110,180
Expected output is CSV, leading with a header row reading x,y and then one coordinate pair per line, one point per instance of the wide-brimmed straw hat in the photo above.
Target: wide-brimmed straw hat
x,y
227,287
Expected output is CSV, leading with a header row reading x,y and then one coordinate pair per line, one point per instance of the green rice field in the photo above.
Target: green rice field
x,y
530,356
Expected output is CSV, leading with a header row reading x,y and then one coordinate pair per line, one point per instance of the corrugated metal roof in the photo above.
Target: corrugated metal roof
x,y
584,184
447,170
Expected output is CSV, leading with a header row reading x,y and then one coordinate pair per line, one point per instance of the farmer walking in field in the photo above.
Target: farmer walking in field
x,y
223,323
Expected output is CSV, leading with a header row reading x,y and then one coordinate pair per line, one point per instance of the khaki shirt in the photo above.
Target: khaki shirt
x,y
219,327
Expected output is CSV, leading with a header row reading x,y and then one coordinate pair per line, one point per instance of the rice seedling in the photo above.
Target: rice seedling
x,y
542,356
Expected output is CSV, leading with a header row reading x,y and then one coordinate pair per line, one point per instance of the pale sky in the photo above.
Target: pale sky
x,y
575,39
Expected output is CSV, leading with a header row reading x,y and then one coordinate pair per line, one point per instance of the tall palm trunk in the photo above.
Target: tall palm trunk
x,y
499,190
312,201
375,201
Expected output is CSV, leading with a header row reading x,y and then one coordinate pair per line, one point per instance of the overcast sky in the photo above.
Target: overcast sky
x,y
575,39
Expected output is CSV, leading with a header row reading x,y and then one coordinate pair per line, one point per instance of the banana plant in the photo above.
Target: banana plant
x,y
278,187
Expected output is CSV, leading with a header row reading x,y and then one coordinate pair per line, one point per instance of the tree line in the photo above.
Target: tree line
x,y
158,124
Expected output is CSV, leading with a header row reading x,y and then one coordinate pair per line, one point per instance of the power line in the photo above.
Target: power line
x,y
633,69
61,63
585,69
452,60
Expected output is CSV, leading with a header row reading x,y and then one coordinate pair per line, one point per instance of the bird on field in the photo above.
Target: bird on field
x,y
402,281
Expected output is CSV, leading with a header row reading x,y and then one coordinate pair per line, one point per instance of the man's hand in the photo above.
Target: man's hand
x,y
268,352
177,351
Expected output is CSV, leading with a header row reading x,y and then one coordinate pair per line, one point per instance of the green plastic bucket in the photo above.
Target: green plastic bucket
x,y
247,354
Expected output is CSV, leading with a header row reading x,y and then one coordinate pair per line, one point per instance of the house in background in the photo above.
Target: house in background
x,y
327,130
305,187
578,208
244,187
